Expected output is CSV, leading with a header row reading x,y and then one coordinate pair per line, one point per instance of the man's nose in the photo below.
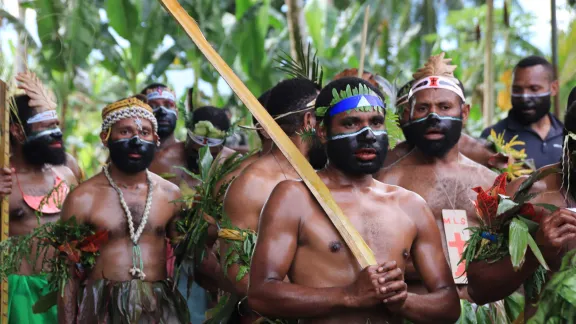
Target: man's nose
x,y
57,135
369,136
161,112
135,142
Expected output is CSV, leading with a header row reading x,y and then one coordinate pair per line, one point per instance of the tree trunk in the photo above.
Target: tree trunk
x,y
21,59
488,107
554,40
296,25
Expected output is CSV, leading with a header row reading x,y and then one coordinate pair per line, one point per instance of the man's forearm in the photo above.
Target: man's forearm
x,y
441,306
490,282
277,298
67,304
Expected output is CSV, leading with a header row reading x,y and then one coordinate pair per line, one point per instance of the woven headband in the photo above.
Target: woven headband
x,y
436,82
43,116
160,93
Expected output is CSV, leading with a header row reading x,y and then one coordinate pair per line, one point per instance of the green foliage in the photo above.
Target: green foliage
x,y
558,300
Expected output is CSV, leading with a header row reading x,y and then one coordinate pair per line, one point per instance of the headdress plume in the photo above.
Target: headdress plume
x,y
436,65
40,97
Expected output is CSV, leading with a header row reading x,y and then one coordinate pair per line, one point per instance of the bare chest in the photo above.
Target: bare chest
x,y
109,214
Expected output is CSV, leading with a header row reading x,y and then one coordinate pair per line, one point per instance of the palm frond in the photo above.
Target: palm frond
x,y
305,66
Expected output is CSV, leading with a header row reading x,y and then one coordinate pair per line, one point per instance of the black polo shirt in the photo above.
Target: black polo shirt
x,y
543,152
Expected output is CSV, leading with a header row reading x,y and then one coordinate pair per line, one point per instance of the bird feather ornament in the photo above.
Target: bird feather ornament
x,y
436,65
40,97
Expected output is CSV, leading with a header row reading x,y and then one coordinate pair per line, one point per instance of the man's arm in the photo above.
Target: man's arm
x,y
5,182
269,295
441,304
242,205
67,305
72,164
486,133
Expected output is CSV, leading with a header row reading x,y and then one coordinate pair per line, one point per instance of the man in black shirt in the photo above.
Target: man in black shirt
x,y
530,116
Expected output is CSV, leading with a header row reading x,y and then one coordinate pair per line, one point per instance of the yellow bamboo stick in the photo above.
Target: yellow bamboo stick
x,y
4,163
349,234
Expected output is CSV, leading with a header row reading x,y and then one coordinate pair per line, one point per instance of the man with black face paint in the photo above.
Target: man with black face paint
x,y
434,167
556,234
37,184
139,210
163,102
530,118
297,239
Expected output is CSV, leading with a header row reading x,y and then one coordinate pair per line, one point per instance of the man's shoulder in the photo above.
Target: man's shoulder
x,y
164,184
481,172
402,195
87,188
500,126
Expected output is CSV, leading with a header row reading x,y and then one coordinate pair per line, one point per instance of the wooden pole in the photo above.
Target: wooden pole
x,y
488,109
554,41
4,163
296,26
349,234
364,40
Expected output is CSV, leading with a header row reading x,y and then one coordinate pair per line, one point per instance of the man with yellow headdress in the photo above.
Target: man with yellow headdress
x,y
37,184
129,281
435,168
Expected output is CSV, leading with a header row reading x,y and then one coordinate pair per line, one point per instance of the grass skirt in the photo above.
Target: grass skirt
x,y
131,302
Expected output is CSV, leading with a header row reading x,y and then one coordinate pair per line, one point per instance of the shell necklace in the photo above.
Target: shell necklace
x,y
137,270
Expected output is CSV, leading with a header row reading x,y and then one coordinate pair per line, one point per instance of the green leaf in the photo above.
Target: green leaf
x,y
537,252
193,175
551,208
315,14
505,205
532,226
518,242
205,161
123,17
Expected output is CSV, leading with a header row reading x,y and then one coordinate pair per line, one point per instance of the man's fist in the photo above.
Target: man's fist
x,y
5,182
555,231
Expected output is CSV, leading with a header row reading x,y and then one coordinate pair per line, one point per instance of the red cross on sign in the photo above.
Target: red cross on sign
x,y
433,81
458,243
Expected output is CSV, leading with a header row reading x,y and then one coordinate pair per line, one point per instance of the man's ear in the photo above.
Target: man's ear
x,y
103,138
309,120
465,113
554,88
321,132
17,132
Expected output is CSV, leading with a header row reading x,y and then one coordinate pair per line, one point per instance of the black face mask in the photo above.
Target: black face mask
x,y
166,121
450,127
528,109
122,148
37,149
317,154
349,152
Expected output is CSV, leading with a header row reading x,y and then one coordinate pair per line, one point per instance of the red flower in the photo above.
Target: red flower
x,y
530,212
487,201
71,251
93,242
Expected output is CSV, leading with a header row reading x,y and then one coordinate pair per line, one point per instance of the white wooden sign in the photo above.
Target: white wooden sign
x,y
455,224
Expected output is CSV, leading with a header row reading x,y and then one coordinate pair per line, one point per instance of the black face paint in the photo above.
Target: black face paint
x,y
530,108
166,121
450,127
359,153
120,151
39,148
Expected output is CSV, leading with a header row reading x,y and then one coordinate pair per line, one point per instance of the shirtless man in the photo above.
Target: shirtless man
x,y
163,101
297,239
435,168
136,207
248,193
37,185
557,233
186,154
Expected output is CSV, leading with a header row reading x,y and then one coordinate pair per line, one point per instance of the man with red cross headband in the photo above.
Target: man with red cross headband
x,y
435,168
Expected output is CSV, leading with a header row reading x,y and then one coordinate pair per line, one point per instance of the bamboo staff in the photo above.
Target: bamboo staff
x,y
488,109
352,238
4,163
364,39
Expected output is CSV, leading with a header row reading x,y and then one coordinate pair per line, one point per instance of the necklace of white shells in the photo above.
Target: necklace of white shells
x,y
137,270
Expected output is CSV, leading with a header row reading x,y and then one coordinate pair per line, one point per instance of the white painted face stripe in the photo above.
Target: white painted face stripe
x,y
425,118
375,132
531,95
44,133
43,116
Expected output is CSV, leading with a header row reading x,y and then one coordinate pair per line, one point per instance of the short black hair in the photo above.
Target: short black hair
x,y
212,114
534,60
289,96
263,100
152,86
571,98
325,97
